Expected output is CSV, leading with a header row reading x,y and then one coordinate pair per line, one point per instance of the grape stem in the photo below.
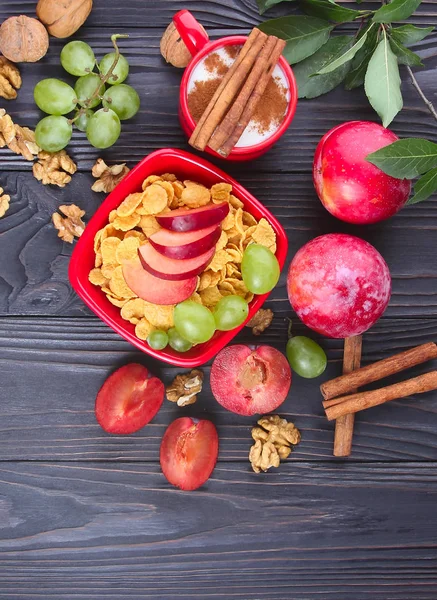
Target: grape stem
x,y
103,78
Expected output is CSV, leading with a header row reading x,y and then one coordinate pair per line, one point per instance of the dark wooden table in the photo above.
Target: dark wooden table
x,y
84,515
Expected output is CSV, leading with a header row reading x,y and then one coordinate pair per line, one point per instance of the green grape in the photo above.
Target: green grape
x,y
177,342
123,100
54,97
194,322
86,87
120,72
305,356
158,339
103,128
77,58
260,269
53,133
230,312
82,122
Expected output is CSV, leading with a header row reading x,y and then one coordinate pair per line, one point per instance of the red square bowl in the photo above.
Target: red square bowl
x,y
185,166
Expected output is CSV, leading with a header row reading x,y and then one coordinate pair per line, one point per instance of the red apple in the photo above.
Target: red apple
x,y
188,453
339,285
154,289
250,381
188,244
128,399
170,268
193,219
350,187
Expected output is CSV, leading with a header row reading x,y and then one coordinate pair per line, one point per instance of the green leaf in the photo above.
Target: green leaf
x,y
264,5
325,9
382,82
304,35
405,56
311,87
346,57
398,10
406,159
356,75
410,34
425,187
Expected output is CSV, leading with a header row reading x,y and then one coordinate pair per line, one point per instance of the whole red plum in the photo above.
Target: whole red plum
x,y
339,285
350,187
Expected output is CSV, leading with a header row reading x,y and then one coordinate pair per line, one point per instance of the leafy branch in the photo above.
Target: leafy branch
x,y
371,57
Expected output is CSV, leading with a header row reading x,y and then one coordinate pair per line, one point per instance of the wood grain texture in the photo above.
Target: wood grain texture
x,y
52,369
307,531
34,265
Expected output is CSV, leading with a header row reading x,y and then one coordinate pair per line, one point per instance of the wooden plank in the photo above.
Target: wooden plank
x,y
157,125
52,369
306,531
34,265
212,13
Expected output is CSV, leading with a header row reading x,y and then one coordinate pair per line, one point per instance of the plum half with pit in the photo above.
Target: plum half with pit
x,y
349,187
339,285
250,381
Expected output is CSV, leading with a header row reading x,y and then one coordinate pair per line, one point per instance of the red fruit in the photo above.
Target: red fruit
x,y
247,381
189,451
170,268
350,187
128,399
195,218
339,285
156,290
188,244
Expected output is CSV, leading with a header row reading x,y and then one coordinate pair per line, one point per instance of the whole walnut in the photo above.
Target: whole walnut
x,y
23,39
63,17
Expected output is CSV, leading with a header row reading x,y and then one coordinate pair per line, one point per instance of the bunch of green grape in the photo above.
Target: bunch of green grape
x,y
196,324
57,98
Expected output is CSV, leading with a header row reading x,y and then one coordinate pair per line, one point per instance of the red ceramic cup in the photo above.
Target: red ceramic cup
x,y
197,42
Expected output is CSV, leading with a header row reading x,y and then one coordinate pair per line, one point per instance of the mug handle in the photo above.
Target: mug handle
x,y
191,31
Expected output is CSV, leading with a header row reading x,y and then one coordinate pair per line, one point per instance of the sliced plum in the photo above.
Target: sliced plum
x,y
128,399
189,244
170,268
193,219
189,451
250,381
154,289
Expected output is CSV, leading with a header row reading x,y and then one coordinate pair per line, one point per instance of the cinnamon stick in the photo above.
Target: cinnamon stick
x,y
345,405
227,90
378,370
344,426
227,126
253,100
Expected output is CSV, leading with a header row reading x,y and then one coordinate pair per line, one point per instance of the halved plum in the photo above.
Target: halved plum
x,y
188,453
195,218
170,268
128,399
189,244
250,381
154,289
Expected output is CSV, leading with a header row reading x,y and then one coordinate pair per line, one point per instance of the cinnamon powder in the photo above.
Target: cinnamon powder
x,y
270,109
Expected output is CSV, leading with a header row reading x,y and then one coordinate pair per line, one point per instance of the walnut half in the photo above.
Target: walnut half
x,y
72,226
54,168
184,388
107,176
260,321
4,202
274,441
10,79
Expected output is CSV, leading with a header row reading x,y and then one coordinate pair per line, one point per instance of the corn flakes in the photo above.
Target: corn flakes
x,y
264,234
129,204
127,249
149,180
127,223
133,310
143,329
167,186
154,199
160,316
108,249
149,225
169,177
97,278
195,195
220,192
118,285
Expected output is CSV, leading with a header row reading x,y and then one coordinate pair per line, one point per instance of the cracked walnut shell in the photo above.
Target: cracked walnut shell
x,y
173,48
184,388
108,177
274,441
260,321
10,79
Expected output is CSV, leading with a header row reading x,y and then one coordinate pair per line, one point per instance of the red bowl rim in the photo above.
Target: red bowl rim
x,y
288,73
202,353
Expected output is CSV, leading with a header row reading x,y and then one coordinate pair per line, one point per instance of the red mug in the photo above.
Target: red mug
x,y
199,46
